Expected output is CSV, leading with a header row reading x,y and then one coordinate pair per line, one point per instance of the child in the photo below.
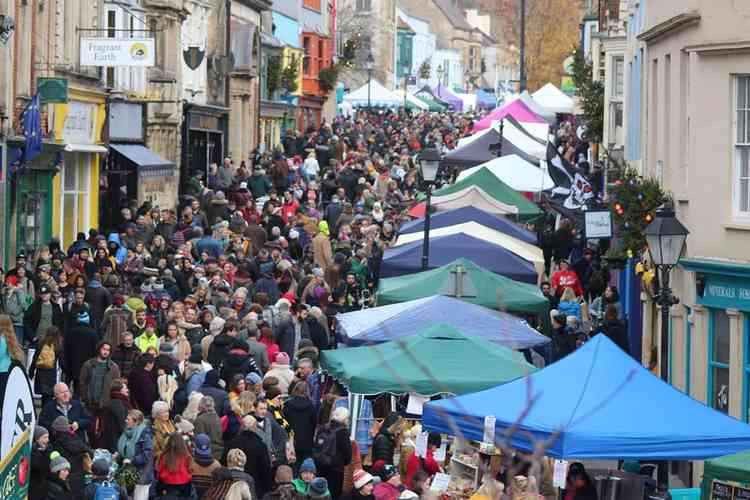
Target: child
x,y
307,473
57,482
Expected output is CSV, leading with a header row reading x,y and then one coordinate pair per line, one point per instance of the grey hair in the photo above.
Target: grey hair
x,y
158,407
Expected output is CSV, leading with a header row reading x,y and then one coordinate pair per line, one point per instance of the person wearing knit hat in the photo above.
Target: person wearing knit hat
x,y
57,485
307,473
40,463
58,463
363,484
61,424
39,433
318,488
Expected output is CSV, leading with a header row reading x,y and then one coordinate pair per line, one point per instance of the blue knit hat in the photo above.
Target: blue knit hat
x,y
308,465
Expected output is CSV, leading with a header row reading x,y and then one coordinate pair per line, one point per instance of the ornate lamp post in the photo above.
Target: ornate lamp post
x,y
429,163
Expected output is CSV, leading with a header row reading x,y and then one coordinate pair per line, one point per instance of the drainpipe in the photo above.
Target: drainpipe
x,y
257,86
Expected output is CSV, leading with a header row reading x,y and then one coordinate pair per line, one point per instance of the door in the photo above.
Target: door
x,y
34,210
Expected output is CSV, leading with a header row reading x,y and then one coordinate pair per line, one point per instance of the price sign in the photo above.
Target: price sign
x,y
721,491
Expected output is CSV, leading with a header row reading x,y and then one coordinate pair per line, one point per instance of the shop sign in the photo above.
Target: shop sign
x,y
79,123
597,224
113,52
16,432
157,185
725,292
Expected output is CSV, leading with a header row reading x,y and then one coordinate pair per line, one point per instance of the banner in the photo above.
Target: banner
x,y
114,52
16,432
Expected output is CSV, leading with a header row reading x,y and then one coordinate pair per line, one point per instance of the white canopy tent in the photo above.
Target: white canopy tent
x,y
411,99
469,100
379,96
524,250
473,196
516,173
553,99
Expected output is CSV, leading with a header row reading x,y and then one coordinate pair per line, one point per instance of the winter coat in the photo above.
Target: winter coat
x,y
285,334
617,333
99,299
259,353
258,464
322,251
125,358
284,374
114,323
38,473
58,489
238,362
79,346
45,378
143,391
219,350
300,413
87,372
76,413
74,450
384,443
33,314
207,422
570,308
113,422
221,398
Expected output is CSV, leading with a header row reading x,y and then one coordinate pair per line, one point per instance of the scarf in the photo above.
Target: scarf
x,y
128,440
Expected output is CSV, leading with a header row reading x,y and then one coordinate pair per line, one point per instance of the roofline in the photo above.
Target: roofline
x,y
671,25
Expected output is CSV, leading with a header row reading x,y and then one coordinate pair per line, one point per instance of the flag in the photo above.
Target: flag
x,y
558,168
31,120
580,193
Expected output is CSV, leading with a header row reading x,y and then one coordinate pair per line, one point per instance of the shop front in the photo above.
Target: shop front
x,y
75,192
204,139
132,170
273,119
710,342
309,112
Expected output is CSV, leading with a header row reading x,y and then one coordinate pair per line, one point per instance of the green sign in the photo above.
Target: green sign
x,y
725,292
52,90
17,417
15,470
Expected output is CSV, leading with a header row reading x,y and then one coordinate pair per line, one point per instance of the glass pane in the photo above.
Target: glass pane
x,y
741,92
69,219
720,337
720,389
746,122
743,195
69,172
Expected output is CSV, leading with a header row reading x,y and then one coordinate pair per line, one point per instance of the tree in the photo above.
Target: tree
x,y
290,75
425,70
551,28
273,75
591,95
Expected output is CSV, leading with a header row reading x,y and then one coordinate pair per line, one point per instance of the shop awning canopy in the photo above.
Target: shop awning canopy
x,y
483,185
464,280
437,360
526,251
516,108
395,321
597,403
554,99
379,96
470,214
141,155
516,172
407,259
85,148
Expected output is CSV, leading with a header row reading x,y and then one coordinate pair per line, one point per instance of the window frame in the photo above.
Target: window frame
x,y
81,163
711,364
618,80
737,145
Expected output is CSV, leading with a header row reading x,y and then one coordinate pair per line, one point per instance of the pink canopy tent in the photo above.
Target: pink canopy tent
x,y
517,109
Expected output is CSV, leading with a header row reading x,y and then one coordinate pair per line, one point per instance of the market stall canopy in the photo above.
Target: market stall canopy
x,y
516,108
554,99
475,150
379,96
426,96
469,100
516,172
407,259
600,403
536,107
444,94
462,279
412,101
395,321
484,186
526,251
437,360
470,214
486,100
733,468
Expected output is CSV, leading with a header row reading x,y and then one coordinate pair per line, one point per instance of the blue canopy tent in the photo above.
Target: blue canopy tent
x,y
407,258
601,404
486,100
391,322
471,214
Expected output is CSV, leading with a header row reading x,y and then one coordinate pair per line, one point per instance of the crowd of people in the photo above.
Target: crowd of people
x,y
176,354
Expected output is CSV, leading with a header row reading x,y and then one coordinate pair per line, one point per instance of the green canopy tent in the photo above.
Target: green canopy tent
x,y
465,280
485,191
438,360
432,103
733,469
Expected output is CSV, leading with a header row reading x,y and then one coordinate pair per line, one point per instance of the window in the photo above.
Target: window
x,y
718,360
111,33
618,77
306,58
74,216
742,144
312,4
364,5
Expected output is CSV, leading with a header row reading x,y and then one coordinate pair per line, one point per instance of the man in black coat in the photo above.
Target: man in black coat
x,y
211,388
79,346
63,405
33,315
222,344
99,299
258,463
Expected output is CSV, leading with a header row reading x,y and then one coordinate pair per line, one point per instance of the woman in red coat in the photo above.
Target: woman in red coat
x,y
173,469
427,464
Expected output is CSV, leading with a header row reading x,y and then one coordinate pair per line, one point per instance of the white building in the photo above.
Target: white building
x,y
423,45
194,38
449,64
124,21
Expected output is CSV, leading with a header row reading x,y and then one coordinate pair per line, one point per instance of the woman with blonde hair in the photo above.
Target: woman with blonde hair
x,y
8,333
569,305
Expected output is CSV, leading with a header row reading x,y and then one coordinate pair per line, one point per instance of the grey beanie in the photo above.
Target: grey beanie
x,y
61,424
57,463
39,431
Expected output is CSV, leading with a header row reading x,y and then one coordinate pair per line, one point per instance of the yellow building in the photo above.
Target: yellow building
x,y
75,190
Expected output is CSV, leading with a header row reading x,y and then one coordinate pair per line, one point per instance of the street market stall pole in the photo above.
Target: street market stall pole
x,y
429,162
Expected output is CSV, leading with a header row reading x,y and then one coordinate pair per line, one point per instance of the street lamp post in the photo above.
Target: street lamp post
x,y
665,237
440,72
429,162
369,65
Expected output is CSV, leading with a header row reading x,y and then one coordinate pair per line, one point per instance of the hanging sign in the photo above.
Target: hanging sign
x,y
597,224
115,52
16,431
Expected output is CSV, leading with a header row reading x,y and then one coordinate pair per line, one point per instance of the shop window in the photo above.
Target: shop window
x,y
718,360
74,216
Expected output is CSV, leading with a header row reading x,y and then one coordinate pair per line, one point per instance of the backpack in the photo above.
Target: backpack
x,y
46,358
324,447
105,491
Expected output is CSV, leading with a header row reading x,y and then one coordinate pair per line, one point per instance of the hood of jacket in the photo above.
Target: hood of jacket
x,y
114,238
